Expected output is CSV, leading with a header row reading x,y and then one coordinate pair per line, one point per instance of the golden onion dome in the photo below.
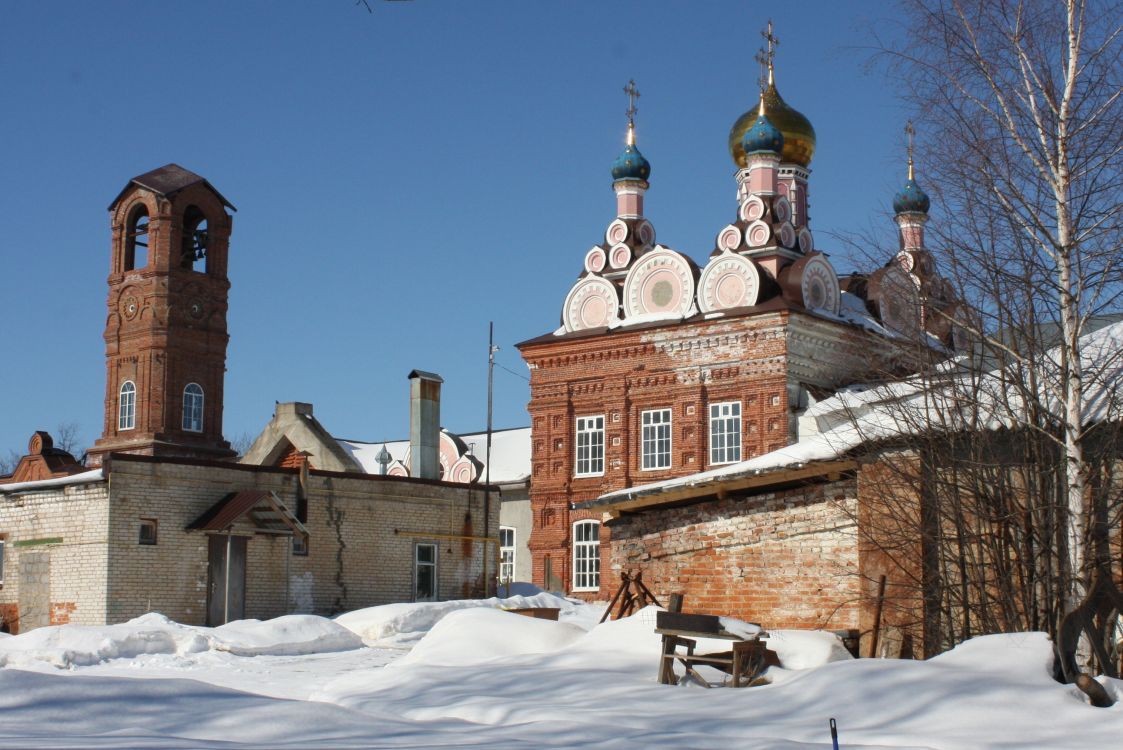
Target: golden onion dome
x,y
799,136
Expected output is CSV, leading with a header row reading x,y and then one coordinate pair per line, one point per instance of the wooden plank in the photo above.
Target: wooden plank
x,y
693,623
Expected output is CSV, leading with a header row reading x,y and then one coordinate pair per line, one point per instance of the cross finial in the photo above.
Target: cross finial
x,y
910,131
772,42
633,95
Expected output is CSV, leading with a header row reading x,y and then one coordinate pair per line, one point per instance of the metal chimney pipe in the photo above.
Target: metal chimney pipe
x,y
425,424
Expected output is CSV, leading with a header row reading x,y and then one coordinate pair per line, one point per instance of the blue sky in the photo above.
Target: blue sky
x,y
402,177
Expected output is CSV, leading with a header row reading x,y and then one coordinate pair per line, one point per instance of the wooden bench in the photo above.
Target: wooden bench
x,y
744,661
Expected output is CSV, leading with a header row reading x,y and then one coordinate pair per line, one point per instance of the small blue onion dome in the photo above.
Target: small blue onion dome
x,y
911,199
763,136
630,165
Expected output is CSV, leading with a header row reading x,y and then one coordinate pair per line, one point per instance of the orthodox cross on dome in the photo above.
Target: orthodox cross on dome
x,y
773,42
762,82
633,95
910,131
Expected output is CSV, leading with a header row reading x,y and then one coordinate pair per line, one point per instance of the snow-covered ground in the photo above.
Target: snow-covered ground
x,y
466,674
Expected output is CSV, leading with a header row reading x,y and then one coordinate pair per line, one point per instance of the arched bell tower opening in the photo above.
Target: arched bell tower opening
x,y
165,330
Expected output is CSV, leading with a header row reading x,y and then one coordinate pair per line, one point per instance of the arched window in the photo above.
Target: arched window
x,y
586,556
126,406
193,252
136,239
193,408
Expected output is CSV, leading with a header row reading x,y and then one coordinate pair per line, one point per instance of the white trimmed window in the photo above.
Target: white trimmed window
x,y
590,446
193,408
586,556
656,439
425,572
126,406
725,432
506,554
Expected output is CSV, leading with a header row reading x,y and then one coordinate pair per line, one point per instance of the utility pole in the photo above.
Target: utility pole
x,y
491,350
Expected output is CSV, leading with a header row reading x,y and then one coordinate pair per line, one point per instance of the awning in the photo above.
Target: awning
x,y
263,508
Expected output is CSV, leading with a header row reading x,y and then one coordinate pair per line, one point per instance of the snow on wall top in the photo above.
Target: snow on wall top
x,y
94,475
935,401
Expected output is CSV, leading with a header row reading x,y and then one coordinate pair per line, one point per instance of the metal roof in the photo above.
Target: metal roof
x,y
264,509
168,180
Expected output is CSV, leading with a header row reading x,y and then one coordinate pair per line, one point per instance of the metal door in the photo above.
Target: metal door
x,y
220,607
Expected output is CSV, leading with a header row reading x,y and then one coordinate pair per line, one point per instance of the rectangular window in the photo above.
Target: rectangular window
x,y
586,556
147,533
3,540
299,545
656,439
725,432
425,573
590,446
506,554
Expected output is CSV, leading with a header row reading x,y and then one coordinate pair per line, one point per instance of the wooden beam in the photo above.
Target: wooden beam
x,y
721,487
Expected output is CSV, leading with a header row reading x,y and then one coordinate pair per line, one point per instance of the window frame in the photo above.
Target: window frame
x,y
656,439
585,434
298,545
126,406
586,554
505,562
418,564
722,420
3,550
152,523
198,399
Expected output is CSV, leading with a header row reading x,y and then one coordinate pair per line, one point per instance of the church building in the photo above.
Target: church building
x,y
665,369
164,519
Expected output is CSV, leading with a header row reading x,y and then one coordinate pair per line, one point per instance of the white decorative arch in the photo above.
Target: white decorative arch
x,y
660,285
617,232
593,302
819,285
728,281
898,301
594,260
463,471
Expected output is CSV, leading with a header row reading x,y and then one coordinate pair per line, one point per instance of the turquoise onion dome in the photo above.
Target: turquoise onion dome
x,y
630,165
911,199
763,136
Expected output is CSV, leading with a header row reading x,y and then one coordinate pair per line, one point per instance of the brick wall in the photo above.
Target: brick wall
x,y
681,367
90,567
64,529
786,560
354,559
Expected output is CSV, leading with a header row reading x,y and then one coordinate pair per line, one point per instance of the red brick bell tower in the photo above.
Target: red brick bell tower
x,y
165,331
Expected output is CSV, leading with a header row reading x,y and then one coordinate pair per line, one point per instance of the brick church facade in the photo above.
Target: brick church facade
x,y
663,368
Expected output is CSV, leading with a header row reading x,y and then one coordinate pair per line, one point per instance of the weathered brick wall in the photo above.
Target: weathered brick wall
x,y
787,559
65,529
891,545
355,558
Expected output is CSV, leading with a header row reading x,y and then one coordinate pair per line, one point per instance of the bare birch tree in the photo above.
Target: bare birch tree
x,y
1021,101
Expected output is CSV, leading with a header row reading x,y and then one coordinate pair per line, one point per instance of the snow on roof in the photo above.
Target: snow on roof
x,y
947,398
510,453
94,475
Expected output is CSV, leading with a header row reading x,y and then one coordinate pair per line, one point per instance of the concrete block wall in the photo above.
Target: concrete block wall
x,y
786,560
64,529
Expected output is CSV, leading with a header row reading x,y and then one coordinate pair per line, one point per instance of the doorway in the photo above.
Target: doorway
x,y
224,606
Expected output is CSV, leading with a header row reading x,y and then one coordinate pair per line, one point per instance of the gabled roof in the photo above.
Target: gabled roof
x,y
169,180
264,509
